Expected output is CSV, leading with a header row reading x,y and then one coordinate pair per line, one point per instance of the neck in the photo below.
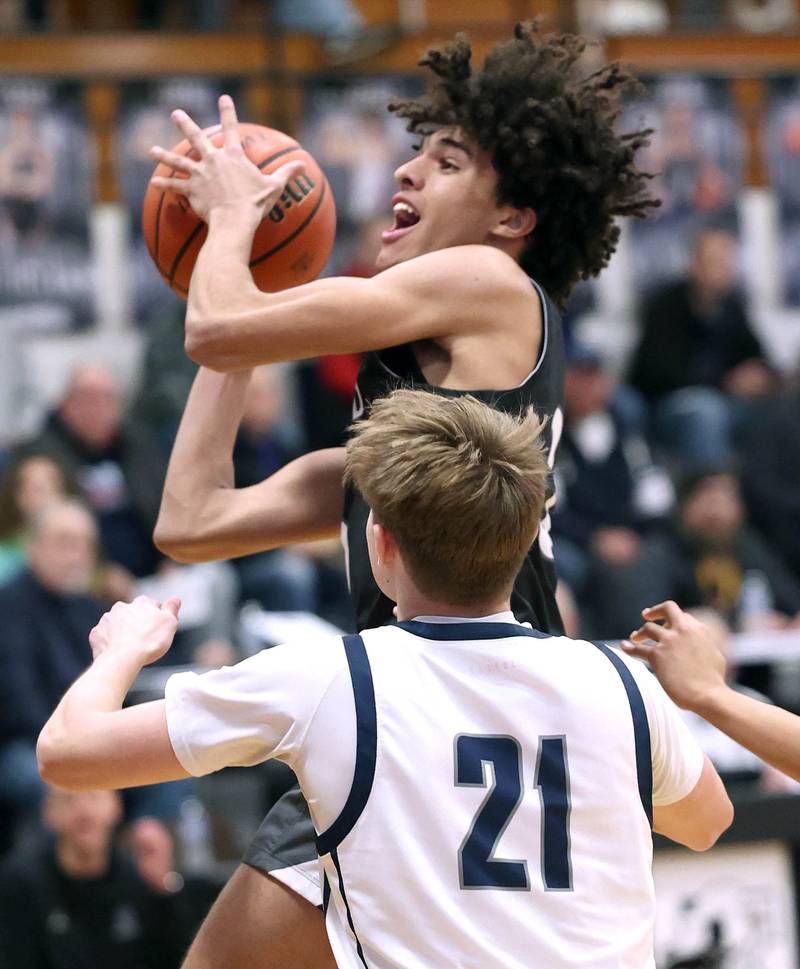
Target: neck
x,y
411,605
78,863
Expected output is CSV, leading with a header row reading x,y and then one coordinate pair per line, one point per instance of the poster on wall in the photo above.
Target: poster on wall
x,y
46,166
696,155
781,138
733,908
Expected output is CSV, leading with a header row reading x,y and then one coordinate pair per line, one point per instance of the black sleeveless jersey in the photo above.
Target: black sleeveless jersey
x,y
381,372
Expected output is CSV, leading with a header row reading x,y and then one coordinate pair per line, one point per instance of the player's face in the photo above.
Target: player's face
x,y
446,198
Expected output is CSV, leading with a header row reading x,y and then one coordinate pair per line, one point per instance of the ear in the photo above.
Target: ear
x,y
515,223
385,544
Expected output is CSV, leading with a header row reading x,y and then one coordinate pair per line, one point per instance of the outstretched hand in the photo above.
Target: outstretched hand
x,y
681,653
224,177
143,629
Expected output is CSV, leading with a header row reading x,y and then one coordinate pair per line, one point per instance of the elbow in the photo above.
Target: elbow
x,y
176,545
204,343
51,759
46,759
184,537
63,765
713,829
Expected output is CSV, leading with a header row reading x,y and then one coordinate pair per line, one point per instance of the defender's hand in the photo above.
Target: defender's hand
x,y
142,628
222,178
681,653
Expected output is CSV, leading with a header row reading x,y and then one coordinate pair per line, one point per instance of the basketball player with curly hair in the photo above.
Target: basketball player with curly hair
x,y
512,197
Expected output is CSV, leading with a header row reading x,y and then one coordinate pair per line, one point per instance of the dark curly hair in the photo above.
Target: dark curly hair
x,y
551,134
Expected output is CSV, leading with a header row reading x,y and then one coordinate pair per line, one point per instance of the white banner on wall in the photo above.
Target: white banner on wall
x,y
733,908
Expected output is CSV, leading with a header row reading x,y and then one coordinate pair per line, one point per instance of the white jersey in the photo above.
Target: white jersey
x,y
482,792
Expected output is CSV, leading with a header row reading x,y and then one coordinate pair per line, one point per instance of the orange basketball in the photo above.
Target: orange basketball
x,y
291,245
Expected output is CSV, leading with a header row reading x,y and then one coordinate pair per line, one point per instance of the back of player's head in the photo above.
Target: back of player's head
x,y
550,129
460,486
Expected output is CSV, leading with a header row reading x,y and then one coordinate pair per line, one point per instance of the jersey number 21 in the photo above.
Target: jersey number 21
x,y
478,868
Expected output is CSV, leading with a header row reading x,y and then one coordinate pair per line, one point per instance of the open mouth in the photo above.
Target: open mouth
x,y
405,218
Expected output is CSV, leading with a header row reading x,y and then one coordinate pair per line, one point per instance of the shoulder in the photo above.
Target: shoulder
x,y
475,263
302,666
469,271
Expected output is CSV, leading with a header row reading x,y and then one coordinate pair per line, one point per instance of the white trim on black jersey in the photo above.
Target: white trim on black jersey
x,y
537,365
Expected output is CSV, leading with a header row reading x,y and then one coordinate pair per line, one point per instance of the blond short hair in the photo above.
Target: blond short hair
x,y
460,486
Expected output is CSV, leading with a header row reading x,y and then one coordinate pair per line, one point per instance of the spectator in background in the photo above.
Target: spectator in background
x,y
29,484
707,556
189,896
698,362
763,16
78,903
118,465
278,579
308,577
47,615
771,475
608,488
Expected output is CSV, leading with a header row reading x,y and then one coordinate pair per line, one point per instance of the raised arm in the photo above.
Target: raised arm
x,y
682,654
231,324
90,742
204,517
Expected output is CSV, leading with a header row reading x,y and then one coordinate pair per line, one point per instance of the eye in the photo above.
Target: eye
x,y
447,166
416,146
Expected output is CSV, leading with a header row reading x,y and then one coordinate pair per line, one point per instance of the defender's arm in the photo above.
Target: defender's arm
x,y
698,819
683,656
91,743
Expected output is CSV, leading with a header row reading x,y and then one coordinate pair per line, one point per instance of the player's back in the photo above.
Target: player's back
x,y
499,810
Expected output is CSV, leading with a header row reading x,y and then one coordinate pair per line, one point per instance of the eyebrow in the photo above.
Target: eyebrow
x,y
455,143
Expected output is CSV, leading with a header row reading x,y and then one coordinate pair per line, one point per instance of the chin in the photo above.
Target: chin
x,y
387,258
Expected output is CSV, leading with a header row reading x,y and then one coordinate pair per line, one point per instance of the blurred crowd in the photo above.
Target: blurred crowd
x,y
677,472
78,502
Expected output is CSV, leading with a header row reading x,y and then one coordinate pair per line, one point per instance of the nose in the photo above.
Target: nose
x,y
409,174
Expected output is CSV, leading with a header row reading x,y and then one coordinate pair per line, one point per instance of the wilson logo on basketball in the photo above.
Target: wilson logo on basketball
x,y
295,193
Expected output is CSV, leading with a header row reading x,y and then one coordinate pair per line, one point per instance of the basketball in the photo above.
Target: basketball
x,y
293,241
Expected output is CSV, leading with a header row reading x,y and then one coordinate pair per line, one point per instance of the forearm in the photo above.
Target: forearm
x,y
773,734
222,283
201,464
78,728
